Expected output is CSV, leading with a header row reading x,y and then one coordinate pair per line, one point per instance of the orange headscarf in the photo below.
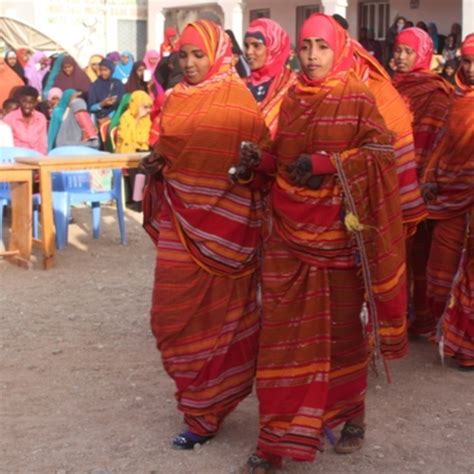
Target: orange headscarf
x,y
202,127
217,47
8,81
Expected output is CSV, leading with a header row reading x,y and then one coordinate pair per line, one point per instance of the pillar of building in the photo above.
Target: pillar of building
x,y
331,7
156,24
233,16
467,17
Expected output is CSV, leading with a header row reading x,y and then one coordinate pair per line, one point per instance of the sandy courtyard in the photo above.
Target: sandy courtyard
x,y
82,388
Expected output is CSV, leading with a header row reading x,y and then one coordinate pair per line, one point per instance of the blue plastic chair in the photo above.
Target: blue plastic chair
x,y
72,187
7,155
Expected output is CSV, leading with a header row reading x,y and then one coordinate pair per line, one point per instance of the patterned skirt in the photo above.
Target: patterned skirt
x,y
206,328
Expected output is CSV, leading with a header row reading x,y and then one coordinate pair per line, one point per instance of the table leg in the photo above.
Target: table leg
x,y
21,239
47,223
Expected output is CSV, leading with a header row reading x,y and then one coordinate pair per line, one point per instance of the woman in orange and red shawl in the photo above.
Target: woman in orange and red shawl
x,y
169,43
395,112
267,48
337,242
428,95
204,311
450,187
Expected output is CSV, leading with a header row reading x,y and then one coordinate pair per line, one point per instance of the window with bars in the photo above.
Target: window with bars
x,y
260,13
304,12
375,16
132,36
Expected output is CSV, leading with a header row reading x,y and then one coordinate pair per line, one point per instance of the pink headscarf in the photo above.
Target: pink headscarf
x,y
151,53
278,45
420,42
328,29
55,92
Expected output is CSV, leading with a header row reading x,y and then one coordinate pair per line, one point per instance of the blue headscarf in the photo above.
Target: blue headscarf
x,y
57,117
122,71
53,74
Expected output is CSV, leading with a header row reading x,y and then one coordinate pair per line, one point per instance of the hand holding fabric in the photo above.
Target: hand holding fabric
x,y
309,170
152,165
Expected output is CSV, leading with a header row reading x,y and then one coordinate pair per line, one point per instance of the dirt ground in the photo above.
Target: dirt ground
x,y
83,390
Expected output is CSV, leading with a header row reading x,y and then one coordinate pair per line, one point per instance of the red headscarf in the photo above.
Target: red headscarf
x,y
277,41
420,42
166,46
211,39
467,47
328,29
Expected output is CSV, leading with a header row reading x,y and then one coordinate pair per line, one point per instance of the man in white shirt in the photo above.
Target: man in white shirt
x,y
6,135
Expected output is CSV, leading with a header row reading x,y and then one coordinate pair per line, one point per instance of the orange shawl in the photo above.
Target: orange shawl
x,y
428,96
397,118
339,116
452,164
9,80
202,127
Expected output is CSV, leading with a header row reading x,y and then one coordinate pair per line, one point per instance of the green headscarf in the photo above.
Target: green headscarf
x,y
57,117
116,120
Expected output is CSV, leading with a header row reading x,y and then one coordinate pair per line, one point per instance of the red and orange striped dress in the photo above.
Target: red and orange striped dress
x,y
428,96
398,119
313,353
450,266
204,311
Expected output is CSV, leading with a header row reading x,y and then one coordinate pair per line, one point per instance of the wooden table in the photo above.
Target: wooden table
x,y
49,164
20,179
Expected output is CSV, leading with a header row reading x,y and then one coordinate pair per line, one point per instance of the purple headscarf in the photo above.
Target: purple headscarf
x,y
33,72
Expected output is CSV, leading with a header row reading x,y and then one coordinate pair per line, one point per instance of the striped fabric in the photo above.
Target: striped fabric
x,y
428,97
206,329
340,116
312,364
446,248
458,320
451,166
271,105
451,170
397,117
204,312
202,127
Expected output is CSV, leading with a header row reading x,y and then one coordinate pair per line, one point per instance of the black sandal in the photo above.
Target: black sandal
x,y
350,432
255,462
188,440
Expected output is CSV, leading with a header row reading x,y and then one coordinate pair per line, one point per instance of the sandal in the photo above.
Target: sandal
x,y
189,440
256,465
351,440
